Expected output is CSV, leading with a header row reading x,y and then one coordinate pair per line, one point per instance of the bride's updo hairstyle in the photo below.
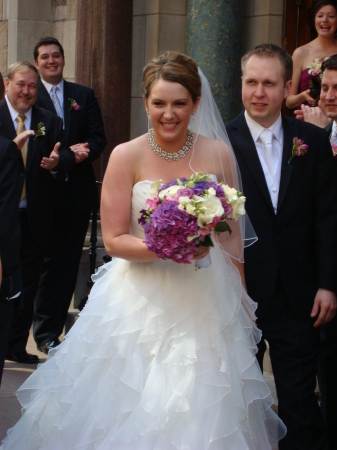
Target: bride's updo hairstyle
x,y
175,67
215,155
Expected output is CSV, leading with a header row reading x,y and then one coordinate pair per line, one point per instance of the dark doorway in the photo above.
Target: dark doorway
x,y
296,30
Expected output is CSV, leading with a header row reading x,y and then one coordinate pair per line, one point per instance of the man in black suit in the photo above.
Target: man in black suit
x,y
11,183
327,366
77,195
44,159
291,270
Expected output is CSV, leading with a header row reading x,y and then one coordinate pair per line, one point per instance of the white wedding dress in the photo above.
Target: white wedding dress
x,y
161,357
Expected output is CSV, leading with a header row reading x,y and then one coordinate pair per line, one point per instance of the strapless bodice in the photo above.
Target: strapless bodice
x,y
304,81
140,192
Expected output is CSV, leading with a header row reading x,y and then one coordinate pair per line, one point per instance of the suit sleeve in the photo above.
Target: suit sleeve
x,y
67,157
10,189
326,217
95,129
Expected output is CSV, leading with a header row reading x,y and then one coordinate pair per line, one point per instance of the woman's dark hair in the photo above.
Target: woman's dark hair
x,y
317,5
175,67
46,40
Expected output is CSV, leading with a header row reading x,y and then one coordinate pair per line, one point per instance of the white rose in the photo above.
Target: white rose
x,y
185,205
211,191
211,207
238,208
190,209
155,186
230,193
169,192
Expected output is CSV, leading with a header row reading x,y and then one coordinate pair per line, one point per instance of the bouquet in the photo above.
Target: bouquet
x,y
315,73
182,215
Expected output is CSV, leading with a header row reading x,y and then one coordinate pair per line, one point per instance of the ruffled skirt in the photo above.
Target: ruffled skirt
x,y
162,357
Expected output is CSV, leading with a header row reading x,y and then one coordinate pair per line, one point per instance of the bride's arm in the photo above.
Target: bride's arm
x,y
116,199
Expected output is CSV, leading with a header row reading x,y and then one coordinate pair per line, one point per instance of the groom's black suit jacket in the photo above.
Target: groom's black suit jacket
x,y
84,125
299,243
40,183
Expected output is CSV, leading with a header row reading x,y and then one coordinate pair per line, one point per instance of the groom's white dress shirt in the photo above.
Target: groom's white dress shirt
x,y
272,178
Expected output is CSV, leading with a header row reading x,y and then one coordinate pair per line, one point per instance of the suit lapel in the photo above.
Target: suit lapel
x,y
67,94
247,149
45,99
290,130
329,128
33,144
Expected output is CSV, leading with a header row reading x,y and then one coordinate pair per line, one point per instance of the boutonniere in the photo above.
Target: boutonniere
x,y
41,130
73,105
334,150
299,149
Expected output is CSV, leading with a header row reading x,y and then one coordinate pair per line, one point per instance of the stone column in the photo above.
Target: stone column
x,y
213,40
104,45
26,22
158,25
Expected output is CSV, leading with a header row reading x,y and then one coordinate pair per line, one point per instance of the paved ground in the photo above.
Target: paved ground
x,y
15,374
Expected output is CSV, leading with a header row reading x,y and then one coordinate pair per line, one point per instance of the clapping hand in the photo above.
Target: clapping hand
x,y
313,115
53,160
81,151
21,138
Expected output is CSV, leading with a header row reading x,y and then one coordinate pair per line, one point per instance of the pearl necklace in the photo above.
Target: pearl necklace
x,y
170,156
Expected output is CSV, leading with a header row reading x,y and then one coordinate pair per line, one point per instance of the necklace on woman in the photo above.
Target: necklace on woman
x,y
166,155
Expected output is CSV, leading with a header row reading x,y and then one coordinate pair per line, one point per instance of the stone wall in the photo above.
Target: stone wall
x,y
23,22
63,28
261,22
158,25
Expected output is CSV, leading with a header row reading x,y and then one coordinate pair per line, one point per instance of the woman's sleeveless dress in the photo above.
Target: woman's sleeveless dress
x,y
161,357
304,81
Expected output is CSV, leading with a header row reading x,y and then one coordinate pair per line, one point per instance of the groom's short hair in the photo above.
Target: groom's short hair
x,y
271,51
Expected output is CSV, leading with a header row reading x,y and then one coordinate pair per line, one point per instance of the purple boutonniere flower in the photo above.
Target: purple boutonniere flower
x,y
299,149
73,105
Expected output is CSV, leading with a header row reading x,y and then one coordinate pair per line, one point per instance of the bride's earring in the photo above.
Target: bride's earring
x,y
148,121
193,115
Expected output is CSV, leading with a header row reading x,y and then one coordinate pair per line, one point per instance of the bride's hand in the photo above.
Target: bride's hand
x,y
202,252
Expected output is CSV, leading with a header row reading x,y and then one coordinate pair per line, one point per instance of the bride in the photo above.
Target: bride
x,y
163,355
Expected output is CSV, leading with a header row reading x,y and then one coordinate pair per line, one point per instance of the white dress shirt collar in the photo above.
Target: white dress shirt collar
x,y
48,86
256,129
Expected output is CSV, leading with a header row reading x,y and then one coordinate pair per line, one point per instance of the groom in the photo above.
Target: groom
x,y
291,270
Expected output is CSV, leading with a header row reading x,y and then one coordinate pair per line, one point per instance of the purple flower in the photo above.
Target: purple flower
x,y
167,231
299,148
172,183
185,192
227,208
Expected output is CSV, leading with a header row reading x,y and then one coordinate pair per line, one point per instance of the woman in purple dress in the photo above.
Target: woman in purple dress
x,y
324,20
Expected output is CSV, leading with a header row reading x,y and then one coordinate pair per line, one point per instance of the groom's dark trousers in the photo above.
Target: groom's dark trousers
x,y
295,255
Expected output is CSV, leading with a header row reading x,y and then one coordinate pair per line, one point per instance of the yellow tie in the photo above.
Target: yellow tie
x,y
21,127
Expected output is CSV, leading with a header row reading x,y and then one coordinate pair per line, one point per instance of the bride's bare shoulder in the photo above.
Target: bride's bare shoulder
x,y
129,149
125,157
